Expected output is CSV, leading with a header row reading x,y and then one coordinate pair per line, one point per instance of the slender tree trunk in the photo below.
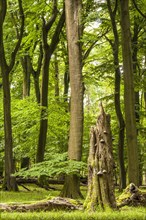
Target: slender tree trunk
x,y
36,75
37,86
56,77
44,104
73,13
129,101
48,51
26,65
9,181
115,47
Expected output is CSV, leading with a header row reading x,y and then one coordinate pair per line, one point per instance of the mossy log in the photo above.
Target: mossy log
x,y
100,166
57,203
131,196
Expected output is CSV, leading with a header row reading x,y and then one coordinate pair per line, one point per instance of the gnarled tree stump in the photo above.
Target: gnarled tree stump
x,y
132,196
100,166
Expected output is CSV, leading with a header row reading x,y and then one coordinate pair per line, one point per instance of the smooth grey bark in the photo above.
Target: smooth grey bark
x,y
73,24
129,99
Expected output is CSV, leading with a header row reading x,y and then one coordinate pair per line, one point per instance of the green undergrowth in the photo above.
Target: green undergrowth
x,y
36,193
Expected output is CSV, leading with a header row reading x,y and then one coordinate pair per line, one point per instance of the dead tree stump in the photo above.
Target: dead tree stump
x,y
100,166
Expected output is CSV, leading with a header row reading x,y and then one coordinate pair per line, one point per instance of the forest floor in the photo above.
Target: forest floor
x,y
36,194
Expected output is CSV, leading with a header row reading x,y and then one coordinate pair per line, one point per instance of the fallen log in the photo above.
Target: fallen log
x,y
57,203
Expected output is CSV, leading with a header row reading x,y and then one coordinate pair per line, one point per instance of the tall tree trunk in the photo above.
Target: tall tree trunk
x,y
9,180
129,101
115,47
134,59
137,95
73,23
44,104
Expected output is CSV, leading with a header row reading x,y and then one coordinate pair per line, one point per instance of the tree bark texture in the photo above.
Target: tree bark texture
x,y
73,25
56,77
27,70
9,181
100,166
115,48
129,101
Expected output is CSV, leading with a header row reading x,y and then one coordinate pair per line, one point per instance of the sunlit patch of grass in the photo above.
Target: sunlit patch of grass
x,y
125,214
36,193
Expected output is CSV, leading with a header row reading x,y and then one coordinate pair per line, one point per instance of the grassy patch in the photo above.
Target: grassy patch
x,y
36,194
125,214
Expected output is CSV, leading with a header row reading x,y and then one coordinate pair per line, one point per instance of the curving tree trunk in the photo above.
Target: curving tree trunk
x,y
48,50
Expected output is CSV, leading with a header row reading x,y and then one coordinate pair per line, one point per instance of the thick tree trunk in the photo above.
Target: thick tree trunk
x,y
100,166
71,187
73,13
129,101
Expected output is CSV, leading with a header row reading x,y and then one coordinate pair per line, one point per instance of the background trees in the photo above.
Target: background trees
x,y
44,46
